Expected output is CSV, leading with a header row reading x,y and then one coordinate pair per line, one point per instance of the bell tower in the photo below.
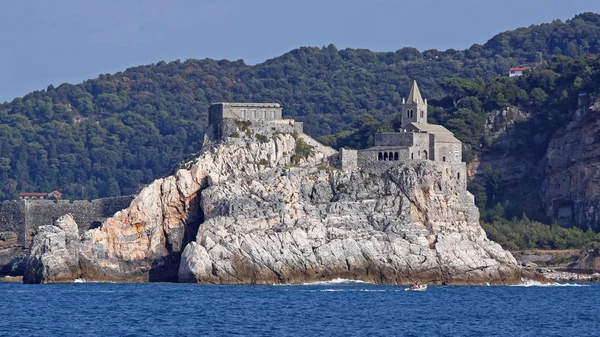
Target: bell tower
x,y
414,109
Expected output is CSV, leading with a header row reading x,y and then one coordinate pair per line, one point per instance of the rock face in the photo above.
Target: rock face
x,y
144,242
589,262
242,212
571,188
54,253
296,225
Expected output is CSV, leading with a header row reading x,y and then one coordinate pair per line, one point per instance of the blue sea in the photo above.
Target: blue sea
x,y
334,308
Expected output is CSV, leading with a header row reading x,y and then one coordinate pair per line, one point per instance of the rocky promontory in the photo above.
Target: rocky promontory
x,y
256,209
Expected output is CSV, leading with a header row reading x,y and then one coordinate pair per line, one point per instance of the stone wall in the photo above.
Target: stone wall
x,y
12,219
348,159
236,128
394,139
369,158
24,217
448,152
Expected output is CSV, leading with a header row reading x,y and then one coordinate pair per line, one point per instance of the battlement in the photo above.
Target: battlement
x,y
243,111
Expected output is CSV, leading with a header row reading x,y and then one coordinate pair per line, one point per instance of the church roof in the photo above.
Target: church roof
x,y
415,94
441,133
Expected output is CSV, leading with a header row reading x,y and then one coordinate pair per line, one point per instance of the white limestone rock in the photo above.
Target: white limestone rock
x,y
54,253
290,225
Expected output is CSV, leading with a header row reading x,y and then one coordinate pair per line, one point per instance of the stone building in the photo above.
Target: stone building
x,y
227,119
416,140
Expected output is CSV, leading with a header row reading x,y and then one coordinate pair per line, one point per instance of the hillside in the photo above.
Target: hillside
x,y
109,135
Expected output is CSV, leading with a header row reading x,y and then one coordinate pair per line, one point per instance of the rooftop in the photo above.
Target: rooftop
x,y
249,105
441,133
415,94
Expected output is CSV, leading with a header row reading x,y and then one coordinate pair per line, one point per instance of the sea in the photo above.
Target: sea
x,y
334,308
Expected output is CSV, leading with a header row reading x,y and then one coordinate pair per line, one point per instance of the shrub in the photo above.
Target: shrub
x,y
261,138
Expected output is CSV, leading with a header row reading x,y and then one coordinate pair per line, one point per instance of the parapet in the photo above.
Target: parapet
x,y
243,111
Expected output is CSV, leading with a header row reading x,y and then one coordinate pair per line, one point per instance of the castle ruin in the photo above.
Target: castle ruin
x,y
226,119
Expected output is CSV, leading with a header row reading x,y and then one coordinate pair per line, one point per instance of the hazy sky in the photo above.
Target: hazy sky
x,y
51,42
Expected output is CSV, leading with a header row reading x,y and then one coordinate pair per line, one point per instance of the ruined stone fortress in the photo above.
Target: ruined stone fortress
x,y
416,139
226,119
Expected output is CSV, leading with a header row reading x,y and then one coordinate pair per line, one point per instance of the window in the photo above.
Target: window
x,y
263,114
458,175
407,113
422,114
380,156
412,156
253,114
385,156
396,156
273,114
243,113
444,158
425,154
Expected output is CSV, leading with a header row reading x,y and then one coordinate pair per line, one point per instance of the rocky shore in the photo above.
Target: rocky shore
x,y
246,211
568,275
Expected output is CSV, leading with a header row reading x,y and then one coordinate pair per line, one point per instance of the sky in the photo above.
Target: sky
x,y
52,42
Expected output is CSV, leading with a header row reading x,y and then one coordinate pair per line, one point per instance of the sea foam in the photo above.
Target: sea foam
x,y
532,283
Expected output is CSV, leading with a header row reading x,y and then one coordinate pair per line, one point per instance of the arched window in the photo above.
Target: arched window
x,y
385,156
395,155
422,114
407,113
425,154
444,158
412,156
380,156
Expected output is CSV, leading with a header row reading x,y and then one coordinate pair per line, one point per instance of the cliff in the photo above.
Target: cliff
x,y
571,186
259,209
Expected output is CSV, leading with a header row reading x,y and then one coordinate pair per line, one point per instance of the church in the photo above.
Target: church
x,y
416,140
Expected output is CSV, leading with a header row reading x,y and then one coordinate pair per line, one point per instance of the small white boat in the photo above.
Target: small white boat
x,y
420,287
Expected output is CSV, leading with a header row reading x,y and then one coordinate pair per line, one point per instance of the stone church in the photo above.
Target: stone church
x,y
416,140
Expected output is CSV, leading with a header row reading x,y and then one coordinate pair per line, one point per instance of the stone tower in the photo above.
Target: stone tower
x,y
414,109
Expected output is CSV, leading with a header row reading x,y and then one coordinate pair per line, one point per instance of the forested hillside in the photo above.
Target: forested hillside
x,y
108,135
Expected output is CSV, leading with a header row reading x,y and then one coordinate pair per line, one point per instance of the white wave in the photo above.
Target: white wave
x,y
334,281
532,283
341,281
79,280
352,290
